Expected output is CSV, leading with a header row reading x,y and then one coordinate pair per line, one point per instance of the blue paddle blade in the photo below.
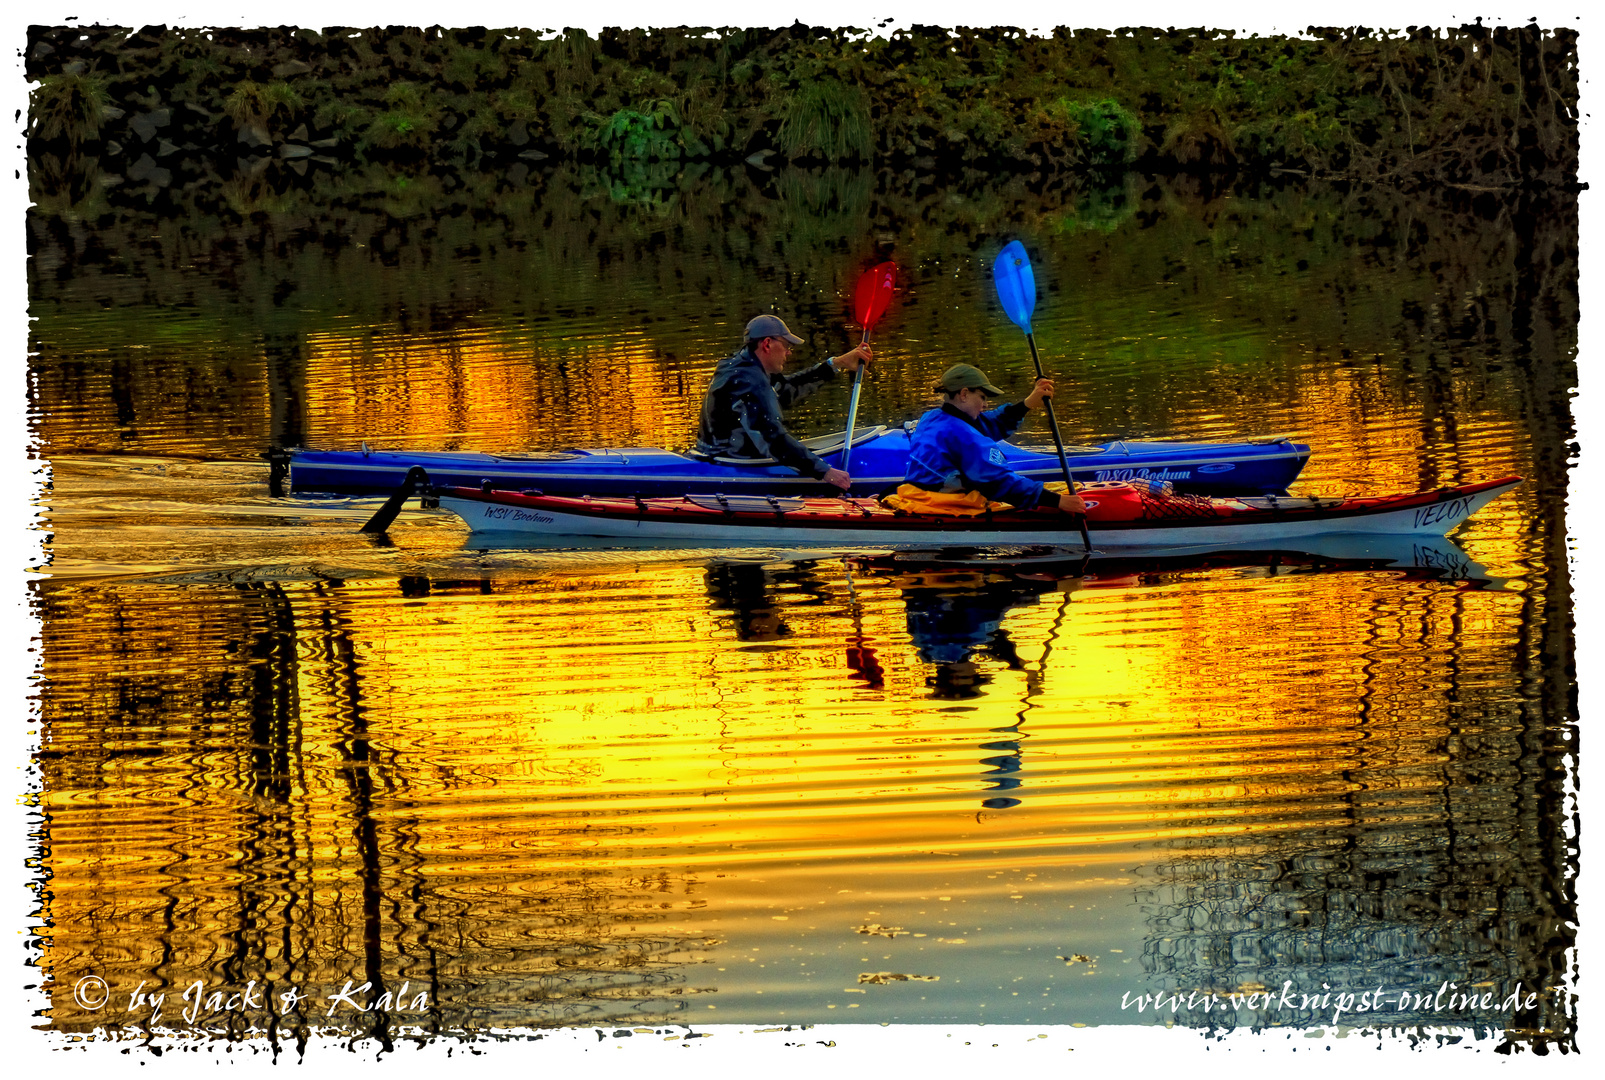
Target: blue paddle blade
x,y
1017,286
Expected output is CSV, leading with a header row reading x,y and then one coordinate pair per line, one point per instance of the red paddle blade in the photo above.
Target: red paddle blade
x,y
873,294
861,658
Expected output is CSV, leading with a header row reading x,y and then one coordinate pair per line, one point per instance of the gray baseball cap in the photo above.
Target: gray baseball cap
x,y
770,326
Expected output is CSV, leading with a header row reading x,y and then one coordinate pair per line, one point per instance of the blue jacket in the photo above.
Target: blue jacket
x,y
950,452
741,412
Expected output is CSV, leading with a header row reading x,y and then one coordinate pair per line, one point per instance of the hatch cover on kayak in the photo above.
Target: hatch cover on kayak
x,y
545,455
748,504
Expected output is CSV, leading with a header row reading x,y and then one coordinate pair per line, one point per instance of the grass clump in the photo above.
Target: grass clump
x,y
71,105
253,103
407,120
827,119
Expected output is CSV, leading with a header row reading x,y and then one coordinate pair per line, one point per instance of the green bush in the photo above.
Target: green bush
x,y
1107,130
636,135
1197,138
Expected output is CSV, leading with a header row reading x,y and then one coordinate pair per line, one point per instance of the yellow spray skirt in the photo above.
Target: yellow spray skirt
x,y
916,500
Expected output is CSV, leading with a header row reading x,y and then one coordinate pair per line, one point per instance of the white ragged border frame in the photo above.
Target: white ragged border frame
x,y
1045,1053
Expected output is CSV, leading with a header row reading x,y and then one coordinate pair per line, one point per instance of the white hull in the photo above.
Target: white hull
x,y
1432,519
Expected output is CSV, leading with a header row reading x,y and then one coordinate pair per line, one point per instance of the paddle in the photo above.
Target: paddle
x,y
860,657
417,480
870,299
1017,291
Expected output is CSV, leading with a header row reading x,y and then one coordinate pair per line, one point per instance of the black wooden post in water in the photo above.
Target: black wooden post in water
x,y
278,471
417,479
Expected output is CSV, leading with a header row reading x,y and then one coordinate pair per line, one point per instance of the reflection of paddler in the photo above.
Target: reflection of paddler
x,y
953,616
743,588
955,465
749,591
956,616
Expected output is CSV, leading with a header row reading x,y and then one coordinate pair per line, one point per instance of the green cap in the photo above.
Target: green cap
x,y
960,376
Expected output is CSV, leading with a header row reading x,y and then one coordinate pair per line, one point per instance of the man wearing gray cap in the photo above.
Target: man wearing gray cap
x,y
741,410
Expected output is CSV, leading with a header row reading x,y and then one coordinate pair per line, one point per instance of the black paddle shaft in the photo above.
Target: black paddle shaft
x,y
417,480
852,412
1058,443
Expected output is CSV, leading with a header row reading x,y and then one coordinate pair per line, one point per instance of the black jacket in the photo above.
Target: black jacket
x,y
741,412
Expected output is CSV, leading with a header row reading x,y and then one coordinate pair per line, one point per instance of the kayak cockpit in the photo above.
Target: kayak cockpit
x,y
819,444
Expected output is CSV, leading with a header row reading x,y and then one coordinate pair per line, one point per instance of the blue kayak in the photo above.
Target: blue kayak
x,y
1257,467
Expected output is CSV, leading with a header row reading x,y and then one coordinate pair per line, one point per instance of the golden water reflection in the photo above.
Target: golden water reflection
x,y
679,793
606,787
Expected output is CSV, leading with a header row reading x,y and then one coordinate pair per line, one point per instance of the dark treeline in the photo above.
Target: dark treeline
x,y
159,106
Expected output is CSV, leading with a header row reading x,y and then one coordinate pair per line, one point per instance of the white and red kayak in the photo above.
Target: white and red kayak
x,y
1118,515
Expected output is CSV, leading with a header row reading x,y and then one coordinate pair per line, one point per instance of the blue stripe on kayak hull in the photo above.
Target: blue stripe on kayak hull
x,y
1203,468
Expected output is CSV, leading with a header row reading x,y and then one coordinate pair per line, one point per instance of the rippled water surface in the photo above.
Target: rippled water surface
x,y
744,786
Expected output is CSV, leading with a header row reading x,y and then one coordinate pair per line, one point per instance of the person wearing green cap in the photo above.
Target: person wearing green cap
x,y
954,449
741,410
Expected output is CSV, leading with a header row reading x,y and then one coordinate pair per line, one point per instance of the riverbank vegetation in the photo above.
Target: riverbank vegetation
x,y
157,107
